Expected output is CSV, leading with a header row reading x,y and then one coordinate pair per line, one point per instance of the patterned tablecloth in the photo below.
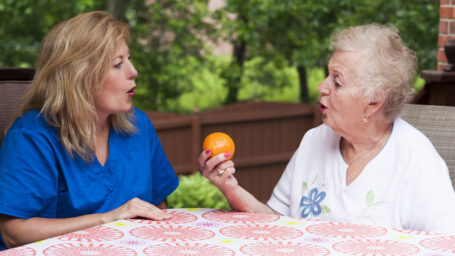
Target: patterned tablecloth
x,y
216,232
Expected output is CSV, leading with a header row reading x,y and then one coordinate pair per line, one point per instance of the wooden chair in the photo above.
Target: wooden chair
x,y
438,124
14,83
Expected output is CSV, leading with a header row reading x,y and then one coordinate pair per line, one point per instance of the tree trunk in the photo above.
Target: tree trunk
x,y
117,8
237,72
303,83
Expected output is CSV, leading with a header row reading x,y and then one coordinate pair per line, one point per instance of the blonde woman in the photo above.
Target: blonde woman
x,y
364,164
78,153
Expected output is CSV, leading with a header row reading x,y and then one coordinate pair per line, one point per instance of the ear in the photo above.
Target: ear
x,y
375,103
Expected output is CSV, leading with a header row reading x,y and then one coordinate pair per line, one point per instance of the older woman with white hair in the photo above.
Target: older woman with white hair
x,y
363,164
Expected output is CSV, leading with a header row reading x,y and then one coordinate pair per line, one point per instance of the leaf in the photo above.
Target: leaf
x,y
369,199
314,180
325,209
304,186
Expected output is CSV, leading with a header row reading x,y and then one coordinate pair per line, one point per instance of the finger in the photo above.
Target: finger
x,y
216,160
226,164
145,209
230,170
203,158
150,211
225,173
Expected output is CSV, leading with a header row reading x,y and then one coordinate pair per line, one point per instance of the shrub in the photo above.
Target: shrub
x,y
195,191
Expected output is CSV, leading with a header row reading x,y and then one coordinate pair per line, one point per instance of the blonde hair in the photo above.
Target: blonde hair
x,y
74,62
388,63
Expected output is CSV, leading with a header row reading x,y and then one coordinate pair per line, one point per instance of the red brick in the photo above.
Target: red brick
x,y
447,12
441,2
443,27
442,39
442,56
452,27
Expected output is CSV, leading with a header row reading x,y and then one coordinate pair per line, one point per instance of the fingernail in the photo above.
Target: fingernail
x,y
227,154
207,151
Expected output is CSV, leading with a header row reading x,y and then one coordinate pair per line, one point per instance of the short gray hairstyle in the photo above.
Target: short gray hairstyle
x,y
388,65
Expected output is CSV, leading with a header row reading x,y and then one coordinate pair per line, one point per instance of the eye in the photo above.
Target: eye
x,y
118,65
335,81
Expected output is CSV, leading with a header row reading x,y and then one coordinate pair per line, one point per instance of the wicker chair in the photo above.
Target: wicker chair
x,y
13,84
438,124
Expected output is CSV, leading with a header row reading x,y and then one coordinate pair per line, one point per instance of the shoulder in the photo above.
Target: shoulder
x,y
320,141
31,121
415,151
140,115
141,120
409,139
319,135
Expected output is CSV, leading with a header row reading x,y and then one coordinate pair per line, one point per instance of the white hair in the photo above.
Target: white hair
x,y
387,64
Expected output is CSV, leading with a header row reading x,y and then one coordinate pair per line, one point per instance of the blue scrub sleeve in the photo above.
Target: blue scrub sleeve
x,y
28,181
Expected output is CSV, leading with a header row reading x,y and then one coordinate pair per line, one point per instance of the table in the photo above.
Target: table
x,y
217,232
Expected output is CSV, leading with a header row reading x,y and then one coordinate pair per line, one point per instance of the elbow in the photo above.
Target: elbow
x,y
9,240
8,230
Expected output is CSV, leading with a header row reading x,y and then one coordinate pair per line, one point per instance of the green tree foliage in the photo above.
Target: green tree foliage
x,y
26,22
296,33
169,38
167,47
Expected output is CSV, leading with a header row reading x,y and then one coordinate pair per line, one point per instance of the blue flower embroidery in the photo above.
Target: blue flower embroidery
x,y
310,204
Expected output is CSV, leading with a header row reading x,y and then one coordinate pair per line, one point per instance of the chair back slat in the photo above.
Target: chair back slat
x,y
10,94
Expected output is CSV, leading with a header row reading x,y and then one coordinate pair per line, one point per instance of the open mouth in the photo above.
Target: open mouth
x,y
322,107
131,92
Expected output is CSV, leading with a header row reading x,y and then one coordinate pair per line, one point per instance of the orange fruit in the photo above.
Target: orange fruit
x,y
219,143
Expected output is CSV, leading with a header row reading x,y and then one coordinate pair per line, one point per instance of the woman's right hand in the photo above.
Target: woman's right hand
x,y
219,171
136,208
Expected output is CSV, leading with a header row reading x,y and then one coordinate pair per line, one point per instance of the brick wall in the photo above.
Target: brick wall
x,y
446,28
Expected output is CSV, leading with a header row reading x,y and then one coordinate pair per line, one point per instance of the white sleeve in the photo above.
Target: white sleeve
x,y
429,200
281,196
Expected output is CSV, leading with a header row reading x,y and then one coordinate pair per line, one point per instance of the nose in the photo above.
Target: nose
x,y
323,88
132,71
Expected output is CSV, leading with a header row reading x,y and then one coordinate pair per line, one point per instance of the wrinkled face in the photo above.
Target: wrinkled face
x,y
342,109
118,89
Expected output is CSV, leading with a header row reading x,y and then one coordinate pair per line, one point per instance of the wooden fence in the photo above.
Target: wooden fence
x,y
266,134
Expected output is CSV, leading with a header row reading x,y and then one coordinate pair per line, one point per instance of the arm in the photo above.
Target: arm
x,y
429,201
17,231
238,198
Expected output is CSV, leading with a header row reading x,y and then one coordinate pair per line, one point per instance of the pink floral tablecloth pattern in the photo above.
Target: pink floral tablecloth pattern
x,y
216,232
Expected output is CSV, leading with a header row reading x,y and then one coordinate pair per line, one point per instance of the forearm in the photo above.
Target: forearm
x,y
16,231
241,200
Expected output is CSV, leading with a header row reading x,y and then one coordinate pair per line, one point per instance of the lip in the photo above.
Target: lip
x,y
131,92
322,107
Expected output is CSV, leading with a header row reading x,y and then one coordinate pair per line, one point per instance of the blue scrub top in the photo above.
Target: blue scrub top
x,y
38,178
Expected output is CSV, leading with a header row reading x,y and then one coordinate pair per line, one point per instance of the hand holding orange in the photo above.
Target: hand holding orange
x,y
218,143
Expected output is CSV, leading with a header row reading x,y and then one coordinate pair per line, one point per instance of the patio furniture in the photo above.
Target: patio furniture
x,y
216,232
438,124
14,82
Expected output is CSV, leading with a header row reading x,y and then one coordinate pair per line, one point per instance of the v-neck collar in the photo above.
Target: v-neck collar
x,y
110,148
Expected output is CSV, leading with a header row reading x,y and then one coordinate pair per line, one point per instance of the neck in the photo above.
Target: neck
x,y
356,147
101,123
